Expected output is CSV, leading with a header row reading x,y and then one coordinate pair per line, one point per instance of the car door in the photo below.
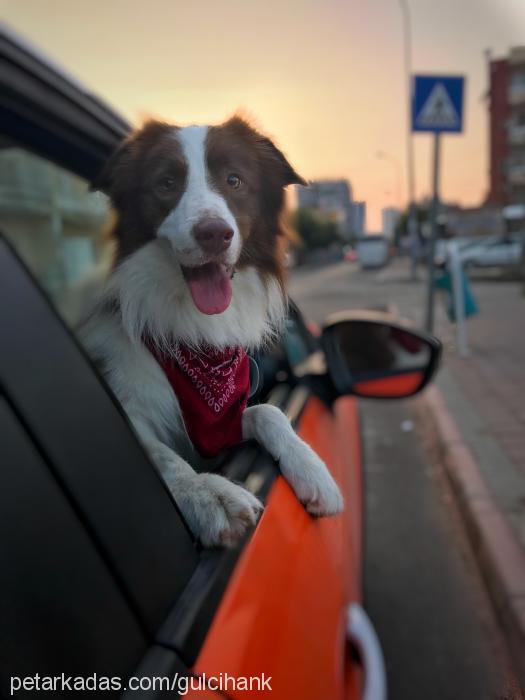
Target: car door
x,y
330,425
284,612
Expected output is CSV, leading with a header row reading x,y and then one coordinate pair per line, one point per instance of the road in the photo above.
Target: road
x,y
422,587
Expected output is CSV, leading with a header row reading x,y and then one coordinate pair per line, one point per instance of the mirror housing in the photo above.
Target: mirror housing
x,y
371,355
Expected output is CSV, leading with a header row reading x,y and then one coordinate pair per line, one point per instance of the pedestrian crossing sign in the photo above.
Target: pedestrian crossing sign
x,y
437,103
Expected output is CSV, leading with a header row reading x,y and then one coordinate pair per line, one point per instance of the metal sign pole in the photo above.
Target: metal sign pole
x,y
437,106
429,324
456,273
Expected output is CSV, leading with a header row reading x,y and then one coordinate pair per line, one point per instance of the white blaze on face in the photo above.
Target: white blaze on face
x,y
199,202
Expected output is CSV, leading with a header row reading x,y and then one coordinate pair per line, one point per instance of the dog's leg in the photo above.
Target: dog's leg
x,y
218,511
300,465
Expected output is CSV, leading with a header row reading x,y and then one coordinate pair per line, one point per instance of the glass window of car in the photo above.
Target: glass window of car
x,y
61,231
56,225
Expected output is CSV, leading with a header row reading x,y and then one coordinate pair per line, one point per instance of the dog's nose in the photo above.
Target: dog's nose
x,y
213,235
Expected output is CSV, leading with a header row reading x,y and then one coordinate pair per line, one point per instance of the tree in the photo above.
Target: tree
x,y
422,216
315,229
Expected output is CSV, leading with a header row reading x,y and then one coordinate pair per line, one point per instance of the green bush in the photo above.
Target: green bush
x,y
315,230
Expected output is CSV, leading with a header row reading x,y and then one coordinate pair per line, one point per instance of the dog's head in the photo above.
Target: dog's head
x,y
215,193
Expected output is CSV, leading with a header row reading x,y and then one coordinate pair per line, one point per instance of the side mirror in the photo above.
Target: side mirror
x,y
378,358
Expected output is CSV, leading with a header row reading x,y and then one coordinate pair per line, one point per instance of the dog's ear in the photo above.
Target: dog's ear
x,y
116,177
275,158
270,157
115,165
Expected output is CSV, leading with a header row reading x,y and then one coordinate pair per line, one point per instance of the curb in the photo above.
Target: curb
x,y
498,551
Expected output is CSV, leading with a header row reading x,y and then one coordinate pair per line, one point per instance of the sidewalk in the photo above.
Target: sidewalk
x,y
478,404
484,394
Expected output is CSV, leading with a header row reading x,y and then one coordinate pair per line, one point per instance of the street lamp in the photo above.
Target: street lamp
x,y
397,172
412,216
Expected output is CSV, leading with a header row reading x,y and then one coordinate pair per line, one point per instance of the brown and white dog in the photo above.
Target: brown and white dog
x,y
198,281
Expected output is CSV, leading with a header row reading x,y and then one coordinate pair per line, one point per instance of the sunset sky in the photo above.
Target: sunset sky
x,y
323,77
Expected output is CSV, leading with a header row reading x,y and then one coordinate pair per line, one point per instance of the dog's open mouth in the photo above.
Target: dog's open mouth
x,y
210,286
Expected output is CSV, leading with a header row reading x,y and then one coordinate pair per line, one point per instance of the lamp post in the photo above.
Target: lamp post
x,y
412,216
397,172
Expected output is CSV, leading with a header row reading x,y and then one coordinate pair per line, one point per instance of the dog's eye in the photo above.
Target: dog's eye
x,y
234,181
167,183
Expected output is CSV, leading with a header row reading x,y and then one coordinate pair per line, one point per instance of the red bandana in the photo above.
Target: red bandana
x,y
212,388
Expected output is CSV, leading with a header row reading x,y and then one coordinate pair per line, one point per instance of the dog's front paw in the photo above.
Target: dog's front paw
x,y
218,511
309,477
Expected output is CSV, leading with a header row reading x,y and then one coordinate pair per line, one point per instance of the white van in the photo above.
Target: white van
x,y
372,251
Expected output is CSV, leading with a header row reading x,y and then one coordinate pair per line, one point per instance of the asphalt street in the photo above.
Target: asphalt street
x,y
422,587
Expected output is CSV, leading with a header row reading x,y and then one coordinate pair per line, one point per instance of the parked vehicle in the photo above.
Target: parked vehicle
x,y
514,218
487,251
498,251
100,576
351,255
372,251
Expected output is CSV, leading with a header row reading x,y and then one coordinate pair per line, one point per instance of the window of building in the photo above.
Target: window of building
x,y
517,78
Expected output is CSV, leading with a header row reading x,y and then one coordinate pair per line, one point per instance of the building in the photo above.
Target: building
x,y
358,218
506,97
463,222
331,197
327,195
334,199
390,217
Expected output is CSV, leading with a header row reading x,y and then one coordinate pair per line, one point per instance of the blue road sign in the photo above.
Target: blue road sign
x,y
437,103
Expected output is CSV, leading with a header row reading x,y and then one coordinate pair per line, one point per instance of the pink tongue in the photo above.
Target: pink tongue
x,y
210,287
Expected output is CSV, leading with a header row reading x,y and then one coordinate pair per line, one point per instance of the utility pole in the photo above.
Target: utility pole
x,y
429,323
412,225
397,173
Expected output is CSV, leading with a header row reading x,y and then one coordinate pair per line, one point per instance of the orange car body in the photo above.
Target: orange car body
x,y
283,614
